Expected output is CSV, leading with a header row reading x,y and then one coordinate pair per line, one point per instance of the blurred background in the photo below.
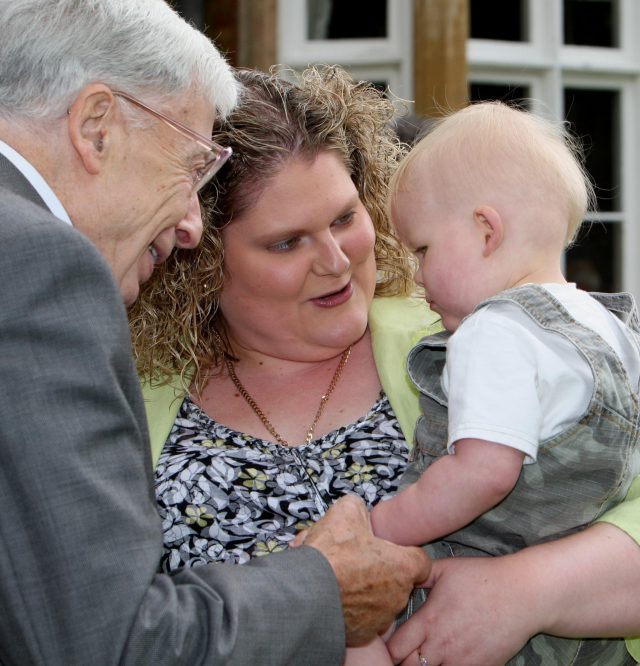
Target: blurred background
x,y
577,60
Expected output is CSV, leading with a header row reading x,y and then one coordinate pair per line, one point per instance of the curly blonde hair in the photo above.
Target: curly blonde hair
x,y
177,326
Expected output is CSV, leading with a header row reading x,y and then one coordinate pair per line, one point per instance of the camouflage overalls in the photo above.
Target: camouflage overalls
x,y
579,474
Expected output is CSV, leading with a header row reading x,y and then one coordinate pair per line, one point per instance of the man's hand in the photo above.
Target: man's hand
x,y
375,576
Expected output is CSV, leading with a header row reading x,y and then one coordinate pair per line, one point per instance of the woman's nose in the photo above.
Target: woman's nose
x,y
189,229
331,258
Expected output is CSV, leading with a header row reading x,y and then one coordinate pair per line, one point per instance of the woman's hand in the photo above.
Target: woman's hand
x,y
474,616
481,611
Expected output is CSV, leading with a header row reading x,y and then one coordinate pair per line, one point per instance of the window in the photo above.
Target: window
x,y
513,94
575,60
370,38
569,59
503,20
191,10
336,19
591,22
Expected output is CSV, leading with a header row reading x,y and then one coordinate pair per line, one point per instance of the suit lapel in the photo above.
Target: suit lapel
x,y
13,180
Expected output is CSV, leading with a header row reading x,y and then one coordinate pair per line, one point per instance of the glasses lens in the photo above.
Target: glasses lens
x,y
218,157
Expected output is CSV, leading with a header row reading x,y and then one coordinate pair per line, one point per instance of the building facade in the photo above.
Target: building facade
x,y
574,60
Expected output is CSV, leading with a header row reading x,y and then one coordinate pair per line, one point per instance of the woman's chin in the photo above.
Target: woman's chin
x,y
343,336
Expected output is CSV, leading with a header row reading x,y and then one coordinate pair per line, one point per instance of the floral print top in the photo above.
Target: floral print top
x,y
226,496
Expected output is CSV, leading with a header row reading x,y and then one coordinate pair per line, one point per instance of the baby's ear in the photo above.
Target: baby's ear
x,y
491,226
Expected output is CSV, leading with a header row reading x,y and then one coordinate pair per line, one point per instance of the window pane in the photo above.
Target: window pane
x,y
346,19
595,260
505,92
412,127
498,19
192,10
594,117
591,22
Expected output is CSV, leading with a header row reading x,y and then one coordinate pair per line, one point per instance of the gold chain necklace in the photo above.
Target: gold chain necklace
x,y
261,415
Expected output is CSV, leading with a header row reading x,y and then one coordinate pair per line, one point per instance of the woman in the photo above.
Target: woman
x,y
257,451
278,378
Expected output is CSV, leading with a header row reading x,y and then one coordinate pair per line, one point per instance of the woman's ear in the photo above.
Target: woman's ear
x,y
491,226
90,124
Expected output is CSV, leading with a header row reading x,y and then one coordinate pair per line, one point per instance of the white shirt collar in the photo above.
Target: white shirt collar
x,y
38,183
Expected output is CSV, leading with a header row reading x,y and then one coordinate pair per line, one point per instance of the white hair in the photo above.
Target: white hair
x,y
51,49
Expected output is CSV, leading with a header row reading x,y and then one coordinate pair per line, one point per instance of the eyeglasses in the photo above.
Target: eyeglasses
x,y
215,155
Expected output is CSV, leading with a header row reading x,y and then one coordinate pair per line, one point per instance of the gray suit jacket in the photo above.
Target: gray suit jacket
x,y
80,537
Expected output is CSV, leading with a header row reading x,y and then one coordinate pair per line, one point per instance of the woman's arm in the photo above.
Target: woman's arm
x,y
483,610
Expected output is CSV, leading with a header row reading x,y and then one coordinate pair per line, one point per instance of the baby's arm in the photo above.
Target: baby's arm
x,y
371,654
451,492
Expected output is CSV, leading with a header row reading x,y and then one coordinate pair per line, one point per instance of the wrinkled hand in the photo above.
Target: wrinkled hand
x,y
474,615
375,576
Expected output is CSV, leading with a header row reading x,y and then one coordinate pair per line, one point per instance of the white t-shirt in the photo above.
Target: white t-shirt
x,y
511,382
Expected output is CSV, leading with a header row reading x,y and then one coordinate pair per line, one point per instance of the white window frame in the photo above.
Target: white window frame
x,y
389,59
547,67
543,63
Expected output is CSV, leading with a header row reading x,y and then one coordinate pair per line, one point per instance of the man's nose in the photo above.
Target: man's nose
x,y
189,229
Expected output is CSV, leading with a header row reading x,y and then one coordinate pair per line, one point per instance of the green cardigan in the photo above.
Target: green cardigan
x,y
396,324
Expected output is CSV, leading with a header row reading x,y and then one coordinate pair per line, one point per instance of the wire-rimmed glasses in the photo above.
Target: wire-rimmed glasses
x,y
215,155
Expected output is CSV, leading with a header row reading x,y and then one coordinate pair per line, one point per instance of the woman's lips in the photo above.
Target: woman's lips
x,y
336,298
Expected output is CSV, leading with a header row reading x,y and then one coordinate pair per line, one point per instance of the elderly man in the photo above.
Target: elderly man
x,y
105,110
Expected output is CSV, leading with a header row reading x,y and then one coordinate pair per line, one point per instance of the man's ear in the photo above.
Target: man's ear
x,y
90,118
491,226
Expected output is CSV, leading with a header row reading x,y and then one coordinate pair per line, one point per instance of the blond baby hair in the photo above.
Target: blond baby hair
x,y
504,147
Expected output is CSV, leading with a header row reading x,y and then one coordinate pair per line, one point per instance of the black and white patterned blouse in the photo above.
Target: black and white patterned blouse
x,y
224,495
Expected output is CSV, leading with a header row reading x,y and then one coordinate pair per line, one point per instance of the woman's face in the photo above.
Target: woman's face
x,y
300,265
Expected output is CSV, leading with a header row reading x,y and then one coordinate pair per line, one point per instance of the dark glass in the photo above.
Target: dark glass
x,y
591,23
594,118
503,20
510,94
593,262
222,25
382,86
412,127
191,10
346,19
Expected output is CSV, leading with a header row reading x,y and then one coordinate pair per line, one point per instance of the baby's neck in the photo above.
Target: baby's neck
x,y
543,276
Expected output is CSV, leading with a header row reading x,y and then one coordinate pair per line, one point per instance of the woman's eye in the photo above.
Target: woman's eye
x,y
344,219
284,245
420,252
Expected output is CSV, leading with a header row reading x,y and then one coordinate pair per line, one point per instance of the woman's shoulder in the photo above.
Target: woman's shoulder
x,y
408,316
161,402
396,325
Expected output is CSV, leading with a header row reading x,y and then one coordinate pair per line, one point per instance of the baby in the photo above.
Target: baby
x,y
530,397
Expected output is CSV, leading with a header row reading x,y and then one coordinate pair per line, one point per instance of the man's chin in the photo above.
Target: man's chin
x,y
130,292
